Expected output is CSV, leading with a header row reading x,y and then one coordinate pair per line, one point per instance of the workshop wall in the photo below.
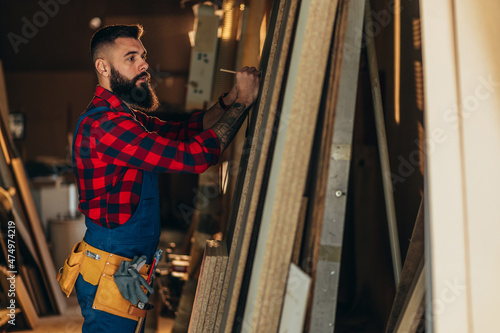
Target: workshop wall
x,y
49,76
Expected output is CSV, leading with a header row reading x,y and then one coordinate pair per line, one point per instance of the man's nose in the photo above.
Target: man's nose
x,y
144,66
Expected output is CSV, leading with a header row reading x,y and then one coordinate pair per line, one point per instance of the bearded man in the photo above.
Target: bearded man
x,y
118,151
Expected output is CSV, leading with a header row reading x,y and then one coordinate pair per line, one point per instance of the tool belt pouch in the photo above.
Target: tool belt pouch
x,y
97,268
109,299
70,271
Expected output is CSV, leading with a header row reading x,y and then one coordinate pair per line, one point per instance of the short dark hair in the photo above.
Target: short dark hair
x,y
110,33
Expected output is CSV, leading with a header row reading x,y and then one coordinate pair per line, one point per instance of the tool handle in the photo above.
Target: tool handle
x,y
156,259
151,270
139,325
227,71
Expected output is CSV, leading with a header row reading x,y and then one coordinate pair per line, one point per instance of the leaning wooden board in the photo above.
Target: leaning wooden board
x,y
329,240
411,270
216,289
236,228
289,167
49,271
203,289
253,163
13,175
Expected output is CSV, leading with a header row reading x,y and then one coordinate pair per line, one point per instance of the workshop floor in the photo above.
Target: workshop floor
x,y
71,322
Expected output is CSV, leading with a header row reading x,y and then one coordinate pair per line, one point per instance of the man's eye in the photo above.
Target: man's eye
x,y
131,58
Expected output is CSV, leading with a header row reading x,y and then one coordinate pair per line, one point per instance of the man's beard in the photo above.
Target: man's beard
x,y
143,98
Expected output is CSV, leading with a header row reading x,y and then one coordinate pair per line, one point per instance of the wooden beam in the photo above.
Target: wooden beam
x,y
22,298
48,271
412,270
382,145
414,304
253,163
205,280
216,289
462,122
288,172
334,172
446,217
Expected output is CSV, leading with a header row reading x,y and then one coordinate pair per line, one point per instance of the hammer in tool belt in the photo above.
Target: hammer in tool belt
x,y
148,306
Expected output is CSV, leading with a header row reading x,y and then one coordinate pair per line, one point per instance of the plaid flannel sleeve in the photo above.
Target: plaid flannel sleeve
x,y
122,140
175,130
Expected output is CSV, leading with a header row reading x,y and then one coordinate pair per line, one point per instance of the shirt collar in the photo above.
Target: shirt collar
x,y
110,98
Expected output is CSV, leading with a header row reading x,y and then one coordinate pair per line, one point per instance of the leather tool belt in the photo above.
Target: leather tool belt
x,y
97,268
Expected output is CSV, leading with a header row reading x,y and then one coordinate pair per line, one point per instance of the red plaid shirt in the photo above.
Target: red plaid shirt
x,y
112,147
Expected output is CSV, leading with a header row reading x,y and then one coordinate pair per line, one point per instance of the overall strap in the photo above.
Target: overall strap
x,y
83,116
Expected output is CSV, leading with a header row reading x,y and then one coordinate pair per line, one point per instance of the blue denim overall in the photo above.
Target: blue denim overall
x,y
138,236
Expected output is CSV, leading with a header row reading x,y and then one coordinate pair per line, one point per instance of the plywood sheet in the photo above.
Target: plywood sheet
x,y
253,162
294,307
288,173
199,311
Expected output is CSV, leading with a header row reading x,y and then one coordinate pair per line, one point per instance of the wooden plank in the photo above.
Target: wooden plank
x,y
382,145
23,299
288,173
4,315
198,314
26,217
223,294
216,288
208,277
334,167
414,305
300,231
478,71
25,237
48,270
26,303
294,305
253,161
446,219
324,133
321,157
411,270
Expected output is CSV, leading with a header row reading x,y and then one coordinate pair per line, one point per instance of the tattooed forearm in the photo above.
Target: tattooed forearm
x,y
227,127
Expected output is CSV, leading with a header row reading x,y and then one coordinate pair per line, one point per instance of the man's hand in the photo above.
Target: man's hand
x,y
246,89
244,92
129,281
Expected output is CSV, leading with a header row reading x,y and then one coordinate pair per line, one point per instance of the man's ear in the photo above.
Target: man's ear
x,y
102,67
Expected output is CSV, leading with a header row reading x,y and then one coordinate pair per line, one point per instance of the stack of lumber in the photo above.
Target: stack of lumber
x,y
26,253
309,66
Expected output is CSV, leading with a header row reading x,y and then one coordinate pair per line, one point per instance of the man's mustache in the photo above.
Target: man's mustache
x,y
143,75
